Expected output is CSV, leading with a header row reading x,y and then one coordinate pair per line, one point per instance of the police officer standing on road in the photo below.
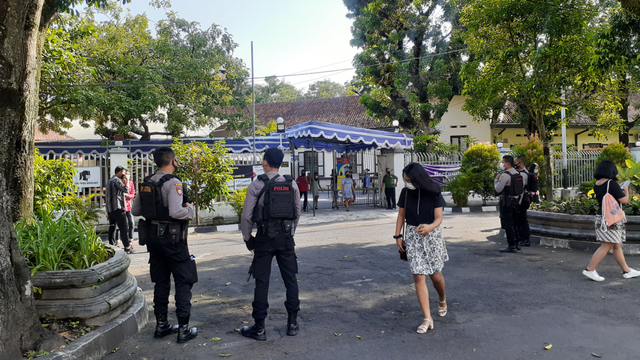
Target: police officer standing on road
x,y
521,223
273,203
509,186
161,201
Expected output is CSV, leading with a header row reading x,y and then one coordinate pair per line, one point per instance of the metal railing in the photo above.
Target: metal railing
x,y
580,167
444,158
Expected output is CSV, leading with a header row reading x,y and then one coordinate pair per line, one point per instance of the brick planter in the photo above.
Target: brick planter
x,y
96,295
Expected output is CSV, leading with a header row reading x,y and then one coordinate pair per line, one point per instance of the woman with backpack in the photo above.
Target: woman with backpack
x,y
611,237
421,205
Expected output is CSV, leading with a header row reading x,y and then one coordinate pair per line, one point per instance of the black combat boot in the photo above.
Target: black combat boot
x,y
510,249
163,328
518,246
184,332
256,331
525,243
292,324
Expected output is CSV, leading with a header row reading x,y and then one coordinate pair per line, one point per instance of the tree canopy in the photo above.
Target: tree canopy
x,y
408,67
184,78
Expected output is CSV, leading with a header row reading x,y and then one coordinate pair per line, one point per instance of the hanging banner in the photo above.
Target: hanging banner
x,y
342,164
441,173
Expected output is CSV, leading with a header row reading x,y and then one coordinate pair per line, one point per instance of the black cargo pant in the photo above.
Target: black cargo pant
x,y
508,214
521,225
118,217
166,259
283,248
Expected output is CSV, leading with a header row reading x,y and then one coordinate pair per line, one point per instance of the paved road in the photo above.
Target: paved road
x,y
501,306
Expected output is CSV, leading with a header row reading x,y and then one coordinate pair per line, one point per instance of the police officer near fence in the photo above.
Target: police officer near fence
x,y
161,201
273,204
509,186
521,222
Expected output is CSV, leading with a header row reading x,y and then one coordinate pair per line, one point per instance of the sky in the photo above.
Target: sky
x,y
289,36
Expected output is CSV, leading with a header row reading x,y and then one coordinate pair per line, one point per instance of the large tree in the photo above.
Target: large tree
x,y
180,78
408,67
276,90
23,25
526,54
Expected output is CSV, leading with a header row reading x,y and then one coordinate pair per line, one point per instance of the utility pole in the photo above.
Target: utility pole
x,y
253,103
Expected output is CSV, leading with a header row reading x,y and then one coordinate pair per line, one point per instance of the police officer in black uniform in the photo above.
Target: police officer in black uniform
x,y
273,238
521,222
161,201
510,196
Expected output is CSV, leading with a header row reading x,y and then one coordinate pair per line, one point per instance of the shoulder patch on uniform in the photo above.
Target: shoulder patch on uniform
x,y
177,184
179,191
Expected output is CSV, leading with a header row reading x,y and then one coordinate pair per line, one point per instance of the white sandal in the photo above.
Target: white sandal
x,y
422,329
442,310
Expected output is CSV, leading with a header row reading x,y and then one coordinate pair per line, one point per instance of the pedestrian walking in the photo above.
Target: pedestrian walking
x,y
611,235
115,205
421,205
348,190
509,186
315,189
521,222
389,183
276,222
303,182
128,198
161,201
334,189
366,182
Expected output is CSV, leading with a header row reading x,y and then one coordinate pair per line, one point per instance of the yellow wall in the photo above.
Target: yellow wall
x,y
514,136
456,122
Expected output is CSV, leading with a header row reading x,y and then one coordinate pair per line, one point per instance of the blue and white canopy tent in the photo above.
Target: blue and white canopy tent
x,y
327,136
315,135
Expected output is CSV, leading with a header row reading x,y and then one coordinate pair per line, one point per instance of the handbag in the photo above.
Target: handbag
x,y
611,211
403,254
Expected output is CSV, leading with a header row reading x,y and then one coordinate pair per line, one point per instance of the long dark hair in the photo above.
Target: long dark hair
x,y
420,178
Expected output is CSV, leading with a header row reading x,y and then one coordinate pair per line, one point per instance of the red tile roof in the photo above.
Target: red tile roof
x,y
51,136
338,110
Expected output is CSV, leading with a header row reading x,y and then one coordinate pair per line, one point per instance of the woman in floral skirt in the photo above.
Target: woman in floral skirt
x,y
421,205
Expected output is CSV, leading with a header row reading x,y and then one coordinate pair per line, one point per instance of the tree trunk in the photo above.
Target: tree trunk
x,y
22,23
546,151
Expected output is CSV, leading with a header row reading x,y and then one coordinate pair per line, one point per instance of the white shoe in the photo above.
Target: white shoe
x,y
593,275
631,274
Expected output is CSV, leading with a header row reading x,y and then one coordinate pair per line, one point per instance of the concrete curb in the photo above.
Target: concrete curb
x,y
471,209
108,337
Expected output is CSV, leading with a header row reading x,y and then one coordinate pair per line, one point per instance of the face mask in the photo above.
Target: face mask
x,y
388,172
316,177
535,171
175,165
410,186
501,166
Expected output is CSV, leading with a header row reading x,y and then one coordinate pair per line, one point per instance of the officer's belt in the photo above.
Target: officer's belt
x,y
155,222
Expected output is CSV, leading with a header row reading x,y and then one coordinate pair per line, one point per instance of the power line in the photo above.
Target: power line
x,y
261,77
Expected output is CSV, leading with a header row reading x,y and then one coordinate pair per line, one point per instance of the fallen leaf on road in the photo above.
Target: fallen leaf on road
x,y
346,257
359,337
548,347
201,295
215,339
228,284
245,322
596,355
236,330
298,280
169,343
114,350
336,334
225,355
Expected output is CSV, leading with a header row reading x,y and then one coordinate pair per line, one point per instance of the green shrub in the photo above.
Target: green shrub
x,y
532,151
586,186
236,200
83,208
64,243
53,179
460,186
615,152
480,164
573,207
